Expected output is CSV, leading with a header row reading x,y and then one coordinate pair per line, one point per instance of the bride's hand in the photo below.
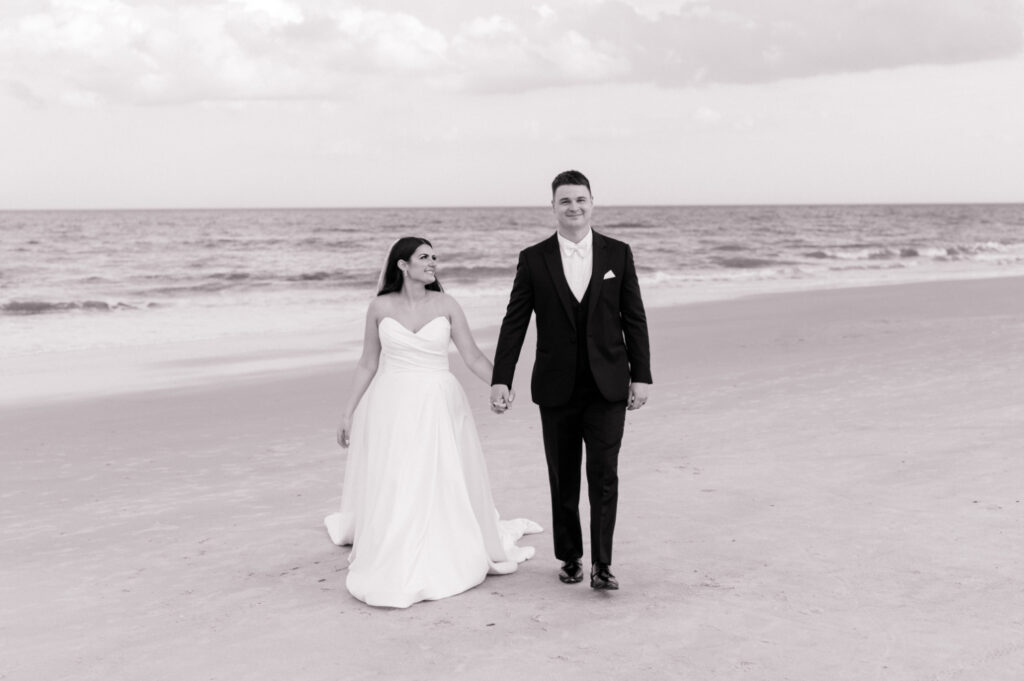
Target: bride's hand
x,y
501,398
344,431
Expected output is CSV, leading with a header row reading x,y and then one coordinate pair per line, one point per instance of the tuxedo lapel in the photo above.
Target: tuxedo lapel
x,y
600,264
553,259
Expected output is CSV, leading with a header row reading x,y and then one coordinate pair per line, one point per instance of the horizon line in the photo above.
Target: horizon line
x,y
512,206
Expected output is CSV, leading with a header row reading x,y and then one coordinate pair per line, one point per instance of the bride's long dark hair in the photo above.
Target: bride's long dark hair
x,y
391,280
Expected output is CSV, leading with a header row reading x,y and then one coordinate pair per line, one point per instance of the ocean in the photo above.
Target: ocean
x,y
77,280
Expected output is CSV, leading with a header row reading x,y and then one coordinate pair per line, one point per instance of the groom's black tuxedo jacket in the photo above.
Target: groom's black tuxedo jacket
x,y
616,334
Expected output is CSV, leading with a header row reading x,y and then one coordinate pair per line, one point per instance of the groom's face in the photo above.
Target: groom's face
x,y
573,205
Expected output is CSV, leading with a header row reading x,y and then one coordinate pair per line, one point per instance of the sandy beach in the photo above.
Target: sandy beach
x,y
824,485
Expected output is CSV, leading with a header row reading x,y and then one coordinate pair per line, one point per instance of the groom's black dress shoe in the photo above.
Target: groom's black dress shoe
x,y
601,577
571,572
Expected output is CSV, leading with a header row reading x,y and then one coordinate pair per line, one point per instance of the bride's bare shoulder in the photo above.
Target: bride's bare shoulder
x,y
444,301
380,306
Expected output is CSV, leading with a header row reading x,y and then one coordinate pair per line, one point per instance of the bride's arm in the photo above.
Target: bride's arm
x,y
475,359
366,369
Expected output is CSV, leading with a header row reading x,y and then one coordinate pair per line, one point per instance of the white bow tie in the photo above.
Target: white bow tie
x,y
579,251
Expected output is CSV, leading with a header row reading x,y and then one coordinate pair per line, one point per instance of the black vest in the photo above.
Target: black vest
x,y
584,385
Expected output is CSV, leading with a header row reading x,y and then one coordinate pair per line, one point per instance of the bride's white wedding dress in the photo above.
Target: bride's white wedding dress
x,y
416,503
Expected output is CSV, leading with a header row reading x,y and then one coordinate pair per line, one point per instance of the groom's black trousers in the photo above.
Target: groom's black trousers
x,y
587,419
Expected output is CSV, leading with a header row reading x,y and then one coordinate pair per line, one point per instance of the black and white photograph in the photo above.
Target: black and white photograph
x,y
618,339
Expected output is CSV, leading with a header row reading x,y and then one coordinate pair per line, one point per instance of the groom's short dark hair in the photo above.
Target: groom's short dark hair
x,y
569,177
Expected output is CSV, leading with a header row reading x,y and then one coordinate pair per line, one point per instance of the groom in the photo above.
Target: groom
x,y
593,363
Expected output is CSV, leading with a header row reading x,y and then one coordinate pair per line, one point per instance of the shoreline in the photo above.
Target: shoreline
x,y
50,378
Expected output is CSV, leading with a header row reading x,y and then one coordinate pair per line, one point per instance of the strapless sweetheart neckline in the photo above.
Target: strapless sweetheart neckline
x,y
407,328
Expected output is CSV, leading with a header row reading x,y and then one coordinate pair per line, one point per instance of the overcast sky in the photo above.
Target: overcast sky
x,y
258,103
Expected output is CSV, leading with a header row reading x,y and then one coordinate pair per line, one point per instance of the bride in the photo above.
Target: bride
x,y
416,502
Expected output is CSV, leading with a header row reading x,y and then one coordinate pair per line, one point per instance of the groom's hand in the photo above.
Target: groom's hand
x,y
501,398
637,395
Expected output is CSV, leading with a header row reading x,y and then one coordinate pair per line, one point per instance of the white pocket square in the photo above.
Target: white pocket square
x,y
609,275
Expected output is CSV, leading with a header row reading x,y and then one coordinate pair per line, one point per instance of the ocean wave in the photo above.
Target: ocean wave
x,y
241,281
231,276
746,263
926,252
869,268
33,307
475,273
333,229
325,243
971,250
312,276
626,225
718,275
323,275
206,287
874,252
217,243
863,253
240,244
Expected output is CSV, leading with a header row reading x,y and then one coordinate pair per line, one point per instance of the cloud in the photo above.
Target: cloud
x,y
497,55
545,12
271,12
747,41
389,42
153,51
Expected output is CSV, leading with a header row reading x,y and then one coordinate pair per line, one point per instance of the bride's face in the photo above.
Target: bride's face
x,y
422,266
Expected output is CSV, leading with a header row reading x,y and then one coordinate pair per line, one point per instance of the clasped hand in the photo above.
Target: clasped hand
x,y
501,398
637,395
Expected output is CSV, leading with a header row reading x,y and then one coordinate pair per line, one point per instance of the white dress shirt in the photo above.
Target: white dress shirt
x,y
577,263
